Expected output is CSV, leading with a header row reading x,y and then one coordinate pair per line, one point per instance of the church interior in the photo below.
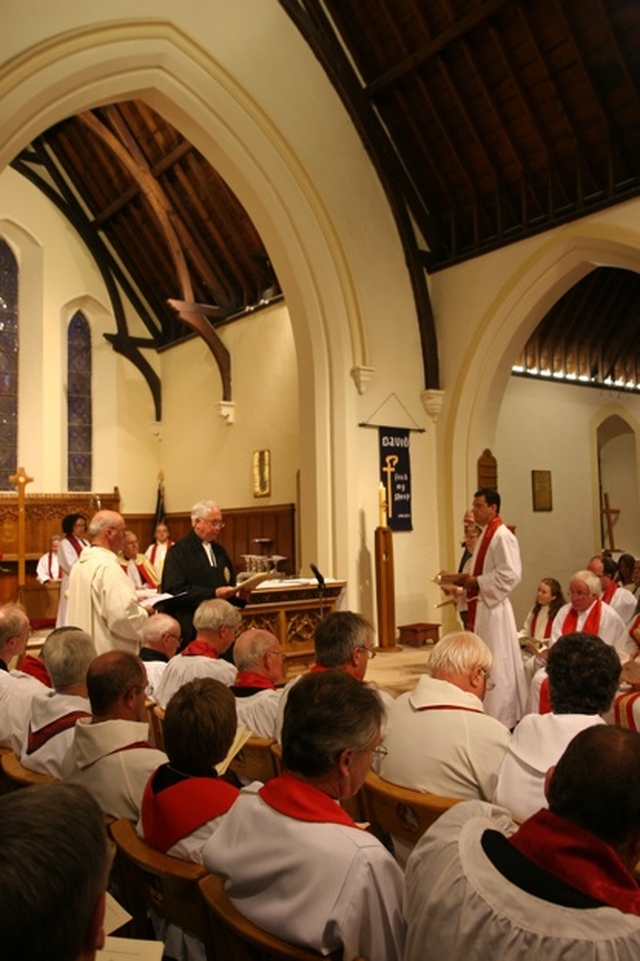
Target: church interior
x,y
282,222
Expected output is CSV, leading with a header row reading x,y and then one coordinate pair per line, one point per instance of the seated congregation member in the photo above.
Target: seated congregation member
x,y
583,678
17,689
344,640
588,614
216,622
559,887
54,871
160,641
620,599
137,566
438,738
294,861
67,653
110,754
536,633
185,800
48,566
258,657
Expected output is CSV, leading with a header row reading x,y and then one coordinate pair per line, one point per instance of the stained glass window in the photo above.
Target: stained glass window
x,y
79,419
8,366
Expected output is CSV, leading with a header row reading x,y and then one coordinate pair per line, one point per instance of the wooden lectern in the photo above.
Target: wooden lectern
x,y
385,590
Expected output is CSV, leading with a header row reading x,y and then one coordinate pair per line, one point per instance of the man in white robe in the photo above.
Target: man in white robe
x,y
110,754
102,599
258,657
17,689
495,572
560,887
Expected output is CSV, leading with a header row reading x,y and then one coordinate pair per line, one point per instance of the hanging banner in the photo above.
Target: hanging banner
x,y
395,476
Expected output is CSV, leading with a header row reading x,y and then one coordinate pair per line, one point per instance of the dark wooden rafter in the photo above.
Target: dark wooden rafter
x,y
311,19
128,153
111,273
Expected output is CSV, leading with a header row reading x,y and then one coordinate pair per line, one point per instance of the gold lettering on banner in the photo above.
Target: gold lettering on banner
x,y
390,460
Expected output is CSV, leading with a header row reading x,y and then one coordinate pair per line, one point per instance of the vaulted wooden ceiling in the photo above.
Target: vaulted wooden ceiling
x,y
486,120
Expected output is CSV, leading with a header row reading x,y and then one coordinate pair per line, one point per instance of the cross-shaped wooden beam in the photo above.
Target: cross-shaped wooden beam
x,y
609,513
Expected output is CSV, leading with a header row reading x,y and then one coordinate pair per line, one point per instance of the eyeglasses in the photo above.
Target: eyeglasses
x,y
175,637
488,683
369,650
379,752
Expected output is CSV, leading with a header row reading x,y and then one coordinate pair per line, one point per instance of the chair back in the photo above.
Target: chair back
x,y
166,885
19,776
239,938
400,811
155,714
255,761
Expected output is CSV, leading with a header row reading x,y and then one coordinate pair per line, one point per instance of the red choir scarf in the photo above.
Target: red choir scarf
x,y
154,550
547,627
38,739
52,576
200,648
179,810
251,679
34,667
76,544
478,565
610,591
590,626
303,802
579,859
144,573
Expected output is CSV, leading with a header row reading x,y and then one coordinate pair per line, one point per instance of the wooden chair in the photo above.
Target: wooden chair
x,y
400,811
19,776
155,713
235,936
169,886
255,761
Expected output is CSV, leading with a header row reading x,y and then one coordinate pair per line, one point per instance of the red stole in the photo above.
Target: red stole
x,y
623,710
590,626
478,565
76,544
37,739
634,632
251,679
544,706
200,648
181,809
303,802
34,667
610,591
52,576
579,859
154,550
143,572
547,627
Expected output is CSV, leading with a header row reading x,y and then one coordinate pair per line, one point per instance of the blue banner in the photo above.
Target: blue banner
x,y
395,476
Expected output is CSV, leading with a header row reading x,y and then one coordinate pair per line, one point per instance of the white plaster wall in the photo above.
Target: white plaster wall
x,y
547,426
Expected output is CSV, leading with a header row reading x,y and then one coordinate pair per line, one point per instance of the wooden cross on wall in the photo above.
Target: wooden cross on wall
x,y
609,513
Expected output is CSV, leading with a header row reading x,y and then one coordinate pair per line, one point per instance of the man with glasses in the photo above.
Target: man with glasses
x,y
110,754
17,689
295,862
438,737
198,568
160,642
102,599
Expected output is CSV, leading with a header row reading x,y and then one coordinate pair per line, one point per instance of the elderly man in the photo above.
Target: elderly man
x,y
160,641
438,738
344,640
584,673
102,599
295,862
495,572
619,598
54,872
67,654
110,754
560,886
137,567
198,568
258,657
17,689
216,623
